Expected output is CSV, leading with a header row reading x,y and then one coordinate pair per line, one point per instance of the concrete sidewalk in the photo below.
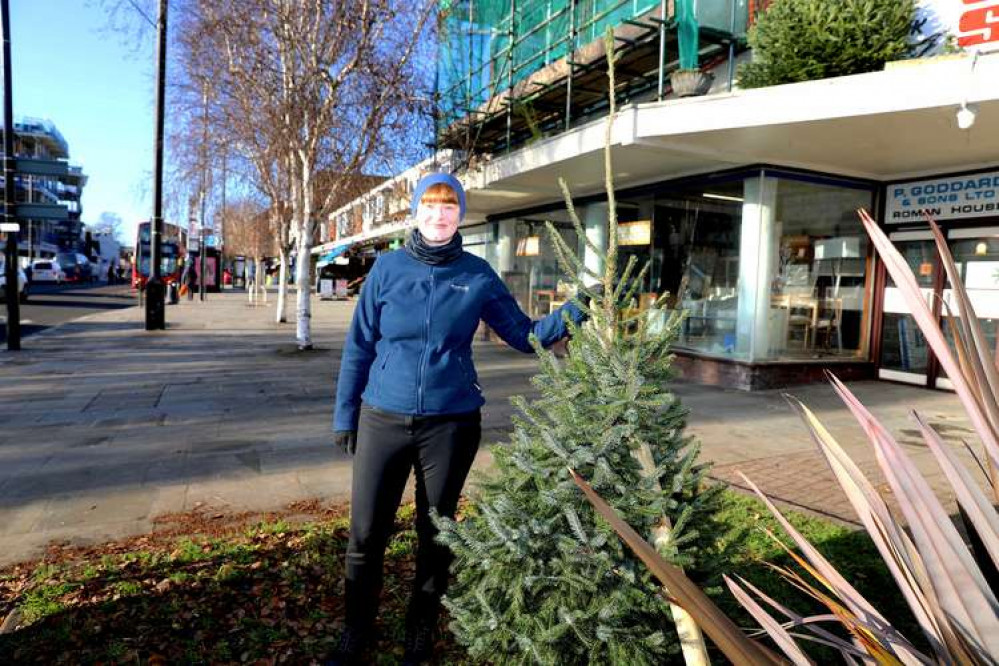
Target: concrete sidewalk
x,y
106,426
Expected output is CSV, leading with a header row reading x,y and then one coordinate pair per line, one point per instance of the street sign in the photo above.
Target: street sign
x,y
10,226
35,211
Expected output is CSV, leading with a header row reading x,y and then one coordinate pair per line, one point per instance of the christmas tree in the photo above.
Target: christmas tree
x,y
539,577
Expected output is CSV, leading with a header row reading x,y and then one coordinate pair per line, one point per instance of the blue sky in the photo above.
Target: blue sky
x,y
99,93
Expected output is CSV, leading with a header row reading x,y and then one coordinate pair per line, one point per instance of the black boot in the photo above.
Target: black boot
x,y
421,631
349,651
419,643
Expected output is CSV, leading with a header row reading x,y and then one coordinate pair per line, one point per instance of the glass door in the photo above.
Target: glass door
x,y
976,253
905,355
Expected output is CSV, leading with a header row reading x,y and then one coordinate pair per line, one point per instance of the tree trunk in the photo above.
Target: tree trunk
x,y
260,280
695,652
302,282
249,281
282,311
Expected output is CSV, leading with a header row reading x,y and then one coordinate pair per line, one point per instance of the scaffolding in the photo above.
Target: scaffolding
x,y
511,71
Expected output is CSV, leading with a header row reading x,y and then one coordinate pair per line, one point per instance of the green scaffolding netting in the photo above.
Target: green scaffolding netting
x,y
487,46
686,26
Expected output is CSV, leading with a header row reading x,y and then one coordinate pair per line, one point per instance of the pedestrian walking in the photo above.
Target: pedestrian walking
x,y
189,278
111,274
408,397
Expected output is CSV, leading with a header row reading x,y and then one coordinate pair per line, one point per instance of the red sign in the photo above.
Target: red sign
x,y
979,24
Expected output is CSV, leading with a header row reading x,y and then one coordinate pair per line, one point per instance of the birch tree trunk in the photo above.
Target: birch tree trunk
x,y
281,315
260,280
302,281
303,217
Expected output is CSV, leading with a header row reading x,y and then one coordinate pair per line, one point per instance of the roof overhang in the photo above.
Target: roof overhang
x,y
882,126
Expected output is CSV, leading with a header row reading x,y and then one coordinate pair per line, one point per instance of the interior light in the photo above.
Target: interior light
x,y
982,249
529,246
635,233
722,197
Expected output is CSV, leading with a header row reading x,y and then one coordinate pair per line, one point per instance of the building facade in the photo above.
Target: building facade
x,y
742,202
48,191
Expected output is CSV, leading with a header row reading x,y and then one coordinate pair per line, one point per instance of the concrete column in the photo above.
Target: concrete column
x,y
594,218
506,246
757,254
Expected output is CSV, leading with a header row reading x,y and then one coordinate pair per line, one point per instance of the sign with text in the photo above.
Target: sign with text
x,y
951,198
978,27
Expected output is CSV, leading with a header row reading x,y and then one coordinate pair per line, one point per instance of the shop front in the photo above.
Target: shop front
x,y
966,206
771,268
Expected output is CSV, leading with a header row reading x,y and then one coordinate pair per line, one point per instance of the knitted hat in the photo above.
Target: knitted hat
x,y
439,178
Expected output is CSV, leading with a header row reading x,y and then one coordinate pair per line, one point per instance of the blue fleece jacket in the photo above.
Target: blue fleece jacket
x,y
409,347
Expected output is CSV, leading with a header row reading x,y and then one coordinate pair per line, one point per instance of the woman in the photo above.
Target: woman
x,y
407,397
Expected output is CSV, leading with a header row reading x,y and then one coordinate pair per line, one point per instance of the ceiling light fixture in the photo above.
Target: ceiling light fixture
x,y
722,197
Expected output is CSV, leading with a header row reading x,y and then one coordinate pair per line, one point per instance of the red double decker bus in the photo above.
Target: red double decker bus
x,y
173,248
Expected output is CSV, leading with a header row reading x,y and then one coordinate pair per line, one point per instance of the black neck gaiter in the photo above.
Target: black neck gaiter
x,y
433,255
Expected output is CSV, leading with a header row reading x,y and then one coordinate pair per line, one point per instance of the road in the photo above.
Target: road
x,y
50,305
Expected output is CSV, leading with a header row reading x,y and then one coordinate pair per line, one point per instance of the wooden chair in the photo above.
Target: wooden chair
x,y
829,318
802,313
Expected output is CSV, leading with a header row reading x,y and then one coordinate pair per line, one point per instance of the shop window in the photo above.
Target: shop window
x,y
696,260
820,284
977,260
537,280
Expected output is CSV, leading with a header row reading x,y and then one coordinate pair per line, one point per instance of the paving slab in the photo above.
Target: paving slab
x,y
107,426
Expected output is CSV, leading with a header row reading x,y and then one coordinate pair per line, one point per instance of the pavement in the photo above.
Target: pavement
x,y
105,426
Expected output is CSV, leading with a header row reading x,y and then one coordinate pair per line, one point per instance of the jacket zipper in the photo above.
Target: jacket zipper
x,y
426,344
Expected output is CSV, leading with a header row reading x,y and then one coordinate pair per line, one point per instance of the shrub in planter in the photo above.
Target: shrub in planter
x,y
803,40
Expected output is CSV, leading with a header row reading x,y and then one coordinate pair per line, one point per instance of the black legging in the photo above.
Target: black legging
x,y
441,449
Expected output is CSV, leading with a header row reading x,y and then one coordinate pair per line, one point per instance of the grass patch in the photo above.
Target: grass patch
x,y
272,590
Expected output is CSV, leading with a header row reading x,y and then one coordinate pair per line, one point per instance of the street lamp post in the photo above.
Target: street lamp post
x,y
155,290
9,199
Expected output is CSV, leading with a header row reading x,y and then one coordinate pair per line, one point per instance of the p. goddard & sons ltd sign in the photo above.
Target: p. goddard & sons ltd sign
x,y
950,198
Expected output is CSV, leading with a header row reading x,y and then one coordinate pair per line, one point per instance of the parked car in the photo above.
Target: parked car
x,y
75,266
22,282
47,270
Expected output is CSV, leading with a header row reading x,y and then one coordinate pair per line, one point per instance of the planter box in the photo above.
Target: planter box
x,y
690,82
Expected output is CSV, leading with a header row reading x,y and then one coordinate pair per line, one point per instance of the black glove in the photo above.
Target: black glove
x,y
346,440
596,290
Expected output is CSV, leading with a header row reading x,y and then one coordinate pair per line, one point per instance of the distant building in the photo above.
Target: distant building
x,y
48,191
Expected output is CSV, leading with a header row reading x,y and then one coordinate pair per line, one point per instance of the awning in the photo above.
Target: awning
x,y
332,254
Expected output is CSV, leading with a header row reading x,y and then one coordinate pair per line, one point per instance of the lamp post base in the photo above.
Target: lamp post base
x,y
155,306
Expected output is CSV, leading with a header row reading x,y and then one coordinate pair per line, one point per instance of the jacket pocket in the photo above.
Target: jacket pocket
x,y
466,372
381,372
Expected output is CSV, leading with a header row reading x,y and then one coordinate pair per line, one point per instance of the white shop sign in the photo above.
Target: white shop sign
x,y
951,198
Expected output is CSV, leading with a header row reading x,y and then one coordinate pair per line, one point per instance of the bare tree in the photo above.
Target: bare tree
x,y
311,93
248,233
110,223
